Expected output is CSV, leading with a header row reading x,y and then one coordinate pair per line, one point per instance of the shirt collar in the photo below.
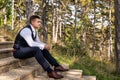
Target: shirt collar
x,y
33,29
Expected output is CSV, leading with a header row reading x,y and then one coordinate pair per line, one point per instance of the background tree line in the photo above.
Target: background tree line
x,y
83,27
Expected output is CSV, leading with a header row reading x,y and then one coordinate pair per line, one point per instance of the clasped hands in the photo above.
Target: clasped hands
x,y
47,47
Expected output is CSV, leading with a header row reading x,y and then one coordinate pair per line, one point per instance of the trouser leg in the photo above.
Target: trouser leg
x,y
50,58
28,52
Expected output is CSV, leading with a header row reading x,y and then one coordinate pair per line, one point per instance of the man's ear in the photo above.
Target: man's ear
x,y
33,21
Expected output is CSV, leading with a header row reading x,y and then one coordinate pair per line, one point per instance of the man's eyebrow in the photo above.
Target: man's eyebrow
x,y
40,21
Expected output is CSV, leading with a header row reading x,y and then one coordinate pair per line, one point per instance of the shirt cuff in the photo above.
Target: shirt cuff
x,y
42,45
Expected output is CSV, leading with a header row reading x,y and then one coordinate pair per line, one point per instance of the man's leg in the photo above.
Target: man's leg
x,y
28,52
50,58
52,61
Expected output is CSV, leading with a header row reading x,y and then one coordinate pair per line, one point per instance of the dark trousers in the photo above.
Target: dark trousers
x,y
42,56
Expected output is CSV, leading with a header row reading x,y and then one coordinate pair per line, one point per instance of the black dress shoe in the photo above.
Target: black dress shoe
x,y
60,68
54,75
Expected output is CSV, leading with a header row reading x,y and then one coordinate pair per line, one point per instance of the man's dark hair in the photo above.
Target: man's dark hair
x,y
33,17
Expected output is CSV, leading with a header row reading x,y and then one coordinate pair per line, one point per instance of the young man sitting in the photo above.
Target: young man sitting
x,y
27,44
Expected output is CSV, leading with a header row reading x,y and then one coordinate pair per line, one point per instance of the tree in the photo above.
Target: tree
x,y
94,25
117,33
53,21
75,21
12,14
44,20
29,9
110,31
3,3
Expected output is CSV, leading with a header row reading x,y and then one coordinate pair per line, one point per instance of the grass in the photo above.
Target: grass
x,y
102,70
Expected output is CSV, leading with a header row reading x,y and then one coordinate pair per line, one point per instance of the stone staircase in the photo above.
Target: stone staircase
x,y
29,69
3,38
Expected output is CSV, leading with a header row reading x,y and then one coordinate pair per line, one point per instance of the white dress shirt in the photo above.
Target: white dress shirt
x,y
26,34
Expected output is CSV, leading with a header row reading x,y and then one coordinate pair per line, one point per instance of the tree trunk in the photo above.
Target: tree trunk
x,y
102,39
75,21
110,32
94,41
57,24
44,19
60,32
12,14
29,9
117,37
53,21
5,17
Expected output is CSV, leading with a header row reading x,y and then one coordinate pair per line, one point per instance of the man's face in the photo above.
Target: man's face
x,y
36,23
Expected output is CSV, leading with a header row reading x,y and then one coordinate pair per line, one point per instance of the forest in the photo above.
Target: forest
x,y
82,33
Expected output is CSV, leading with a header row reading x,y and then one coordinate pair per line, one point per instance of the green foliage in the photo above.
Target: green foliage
x,y
102,70
8,9
3,3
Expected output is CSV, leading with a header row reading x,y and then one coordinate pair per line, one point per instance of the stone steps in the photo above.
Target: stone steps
x,y
6,44
72,74
29,69
75,76
7,64
23,73
89,78
6,52
3,38
66,78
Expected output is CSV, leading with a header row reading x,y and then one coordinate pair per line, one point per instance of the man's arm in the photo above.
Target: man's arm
x,y
46,46
26,34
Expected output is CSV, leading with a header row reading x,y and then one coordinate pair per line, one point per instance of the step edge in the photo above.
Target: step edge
x,y
6,42
11,61
6,50
32,69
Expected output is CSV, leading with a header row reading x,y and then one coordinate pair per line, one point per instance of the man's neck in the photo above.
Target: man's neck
x,y
32,27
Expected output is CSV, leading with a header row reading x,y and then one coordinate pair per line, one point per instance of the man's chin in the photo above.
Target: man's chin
x,y
37,27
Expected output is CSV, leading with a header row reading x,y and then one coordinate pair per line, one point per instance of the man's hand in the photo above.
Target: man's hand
x,y
47,47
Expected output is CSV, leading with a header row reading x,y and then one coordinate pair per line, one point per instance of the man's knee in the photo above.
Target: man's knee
x,y
45,50
35,48
37,51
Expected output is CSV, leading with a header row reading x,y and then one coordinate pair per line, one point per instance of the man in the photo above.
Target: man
x,y
27,44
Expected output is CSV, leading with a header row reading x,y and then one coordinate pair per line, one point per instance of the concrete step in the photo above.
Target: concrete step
x,y
7,44
88,78
83,78
6,52
3,38
72,74
10,63
42,78
7,64
23,73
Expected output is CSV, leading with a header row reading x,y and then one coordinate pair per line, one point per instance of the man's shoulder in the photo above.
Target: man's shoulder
x,y
25,30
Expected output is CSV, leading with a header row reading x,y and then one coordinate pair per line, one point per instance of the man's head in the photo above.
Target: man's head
x,y
35,21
